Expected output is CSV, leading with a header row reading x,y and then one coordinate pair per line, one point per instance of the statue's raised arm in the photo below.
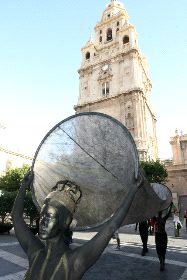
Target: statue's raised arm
x,y
28,241
99,242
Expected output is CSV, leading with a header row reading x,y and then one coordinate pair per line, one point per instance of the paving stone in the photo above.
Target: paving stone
x,y
125,264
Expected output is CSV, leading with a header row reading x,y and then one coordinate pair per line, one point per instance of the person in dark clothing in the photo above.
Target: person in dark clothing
x,y
143,230
68,234
116,236
185,219
151,223
161,236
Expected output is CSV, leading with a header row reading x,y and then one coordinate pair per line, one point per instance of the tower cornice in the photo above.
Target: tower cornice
x,y
119,55
100,100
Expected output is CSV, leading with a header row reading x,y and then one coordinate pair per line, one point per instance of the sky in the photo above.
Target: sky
x,y
40,43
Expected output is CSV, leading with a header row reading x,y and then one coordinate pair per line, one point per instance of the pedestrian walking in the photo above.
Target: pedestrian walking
x,y
68,234
151,223
143,230
116,237
161,236
185,219
177,224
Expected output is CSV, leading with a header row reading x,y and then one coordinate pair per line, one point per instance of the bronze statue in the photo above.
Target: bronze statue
x,y
91,158
53,259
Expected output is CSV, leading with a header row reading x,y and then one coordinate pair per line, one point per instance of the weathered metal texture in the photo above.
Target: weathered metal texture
x,y
99,154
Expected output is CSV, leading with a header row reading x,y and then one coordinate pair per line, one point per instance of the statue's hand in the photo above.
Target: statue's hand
x,y
28,179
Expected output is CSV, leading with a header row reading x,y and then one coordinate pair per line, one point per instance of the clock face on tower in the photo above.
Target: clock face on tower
x,y
105,67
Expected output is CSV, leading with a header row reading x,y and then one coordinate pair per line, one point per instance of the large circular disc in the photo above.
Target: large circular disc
x,y
96,152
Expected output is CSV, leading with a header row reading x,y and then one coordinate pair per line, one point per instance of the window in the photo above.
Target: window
x,y
109,34
125,39
100,32
117,23
108,15
117,30
105,89
87,55
100,39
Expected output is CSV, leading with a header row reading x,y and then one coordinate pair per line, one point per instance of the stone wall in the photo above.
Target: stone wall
x,y
177,182
177,179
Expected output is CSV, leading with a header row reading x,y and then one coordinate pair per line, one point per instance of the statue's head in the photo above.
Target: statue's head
x,y
59,206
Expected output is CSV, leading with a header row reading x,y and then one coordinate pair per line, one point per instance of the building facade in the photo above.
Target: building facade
x,y
177,170
10,158
114,78
179,148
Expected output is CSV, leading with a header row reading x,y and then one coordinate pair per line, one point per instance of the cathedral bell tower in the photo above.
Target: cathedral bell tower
x,y
114,78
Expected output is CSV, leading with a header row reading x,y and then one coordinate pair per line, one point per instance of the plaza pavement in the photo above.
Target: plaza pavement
x,y
126,264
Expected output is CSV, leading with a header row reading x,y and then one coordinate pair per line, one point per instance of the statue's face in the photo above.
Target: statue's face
x,y
49,222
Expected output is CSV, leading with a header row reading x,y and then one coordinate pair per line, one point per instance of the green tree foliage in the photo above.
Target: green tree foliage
x,y
9,185
6,204
155,171
30,209
12,179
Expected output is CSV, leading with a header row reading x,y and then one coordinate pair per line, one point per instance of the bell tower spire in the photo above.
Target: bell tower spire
x,y
114,78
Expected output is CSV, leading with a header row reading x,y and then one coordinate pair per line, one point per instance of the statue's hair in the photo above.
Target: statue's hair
x,y
72,189
64,194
